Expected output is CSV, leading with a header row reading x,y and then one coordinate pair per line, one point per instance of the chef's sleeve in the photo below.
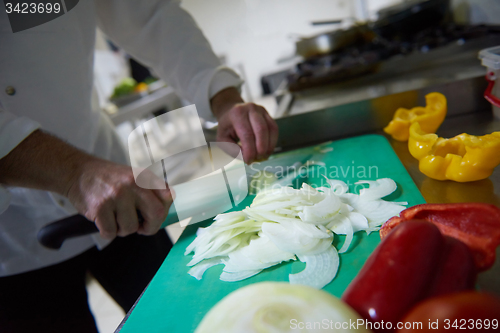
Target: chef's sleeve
x,y
163,36
13,130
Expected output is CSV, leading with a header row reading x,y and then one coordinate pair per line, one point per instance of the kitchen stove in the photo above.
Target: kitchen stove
x,y
366,57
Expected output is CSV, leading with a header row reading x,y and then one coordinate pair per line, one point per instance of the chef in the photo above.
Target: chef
x,y
59,155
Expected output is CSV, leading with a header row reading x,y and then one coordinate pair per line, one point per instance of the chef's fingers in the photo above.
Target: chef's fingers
x,y
126,216
273,133
244,131
165,196
260,130
153,211
160,188
105,220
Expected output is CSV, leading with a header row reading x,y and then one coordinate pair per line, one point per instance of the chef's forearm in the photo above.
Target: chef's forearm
x,y
44,162
225,100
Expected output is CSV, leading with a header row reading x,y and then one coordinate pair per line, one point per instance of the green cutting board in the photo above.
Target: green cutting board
x,y
176,302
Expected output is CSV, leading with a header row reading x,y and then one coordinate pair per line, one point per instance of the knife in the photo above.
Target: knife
x,y
54,234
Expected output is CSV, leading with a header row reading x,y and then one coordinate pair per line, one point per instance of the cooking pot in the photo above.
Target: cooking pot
x,y
329,42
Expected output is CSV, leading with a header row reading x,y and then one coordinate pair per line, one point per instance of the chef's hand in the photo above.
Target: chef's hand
x,y
103,191
107,194
246,123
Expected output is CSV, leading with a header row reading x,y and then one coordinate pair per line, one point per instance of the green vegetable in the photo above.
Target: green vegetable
x,y
150,80
125,87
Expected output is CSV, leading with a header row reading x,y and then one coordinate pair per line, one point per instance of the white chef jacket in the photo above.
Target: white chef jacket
x,y
50,68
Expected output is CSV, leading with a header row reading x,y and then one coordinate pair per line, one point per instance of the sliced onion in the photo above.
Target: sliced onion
x,y
284,222
286,212
230,218
339,225
377,211
243,225
200,231
377,189
320,269
309,229
326,150
337,186
358,221
322,212
290,239
348,238
287,193
261,253
233,238
275,205
242,275
344,226
198,270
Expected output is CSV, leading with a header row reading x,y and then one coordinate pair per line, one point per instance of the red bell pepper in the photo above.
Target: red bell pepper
x,y
397,274
475,224
456,271
413,262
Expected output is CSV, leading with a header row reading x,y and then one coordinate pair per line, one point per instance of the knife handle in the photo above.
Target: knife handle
x,y
54,234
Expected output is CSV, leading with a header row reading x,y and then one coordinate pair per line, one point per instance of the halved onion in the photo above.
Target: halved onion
x,y
279,307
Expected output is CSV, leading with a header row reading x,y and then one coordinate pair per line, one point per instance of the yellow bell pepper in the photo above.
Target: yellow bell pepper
x,y
429,118
464,158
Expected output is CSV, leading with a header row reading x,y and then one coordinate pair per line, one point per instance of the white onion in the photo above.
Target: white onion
x,y
337,186
276,307
198,270
348,238
359,221
320,269
322,212
377,189
290,239
238,276
261,253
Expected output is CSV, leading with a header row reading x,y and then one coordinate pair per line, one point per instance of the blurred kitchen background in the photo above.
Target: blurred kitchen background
x,y
259,38
340,58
